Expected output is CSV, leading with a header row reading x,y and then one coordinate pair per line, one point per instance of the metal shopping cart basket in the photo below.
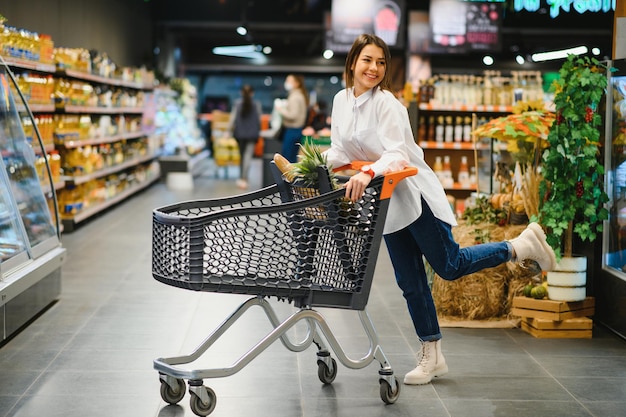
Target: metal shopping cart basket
x,y
312,250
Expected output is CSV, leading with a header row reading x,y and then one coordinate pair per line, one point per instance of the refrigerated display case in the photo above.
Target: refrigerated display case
x,y
610,287
31,254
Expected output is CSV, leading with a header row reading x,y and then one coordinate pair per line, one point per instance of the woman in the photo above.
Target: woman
x,y
369,123
245,123
294,114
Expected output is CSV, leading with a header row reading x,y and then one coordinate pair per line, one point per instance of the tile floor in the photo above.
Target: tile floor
x,y
90,354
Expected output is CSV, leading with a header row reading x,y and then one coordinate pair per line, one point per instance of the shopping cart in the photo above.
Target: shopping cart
x,y
310,247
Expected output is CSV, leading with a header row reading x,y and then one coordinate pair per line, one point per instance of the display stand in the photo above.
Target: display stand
x,y
31,253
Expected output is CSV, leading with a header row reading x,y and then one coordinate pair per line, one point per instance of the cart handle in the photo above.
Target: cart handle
x,y
390,180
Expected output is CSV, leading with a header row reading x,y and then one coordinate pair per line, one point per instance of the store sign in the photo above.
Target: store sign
x,y
556,6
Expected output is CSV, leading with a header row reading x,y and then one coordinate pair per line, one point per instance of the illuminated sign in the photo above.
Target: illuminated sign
x,y
556,6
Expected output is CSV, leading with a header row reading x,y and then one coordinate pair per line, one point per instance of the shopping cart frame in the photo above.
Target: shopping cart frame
x,y
310,223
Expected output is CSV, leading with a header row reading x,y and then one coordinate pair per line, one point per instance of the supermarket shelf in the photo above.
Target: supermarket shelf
x,y
466,108
30,65
458,187
79,75
48,148
81,179
37,108
97,141
57,186
102,110
85,76
469,146
70,222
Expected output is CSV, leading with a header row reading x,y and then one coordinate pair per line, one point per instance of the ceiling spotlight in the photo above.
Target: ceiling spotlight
x,y
563,53
328,54
242,30
488,60
595,51
520,59
267,50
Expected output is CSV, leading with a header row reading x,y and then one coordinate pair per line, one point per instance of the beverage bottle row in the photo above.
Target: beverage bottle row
x,y
466,177
445,128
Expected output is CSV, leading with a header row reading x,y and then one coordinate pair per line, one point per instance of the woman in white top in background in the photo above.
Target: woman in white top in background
x,y
294,115
369,123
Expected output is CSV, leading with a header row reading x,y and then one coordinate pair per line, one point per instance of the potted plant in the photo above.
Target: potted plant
x,y
571,192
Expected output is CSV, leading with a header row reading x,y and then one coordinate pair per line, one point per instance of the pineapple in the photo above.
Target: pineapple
x,y
306,168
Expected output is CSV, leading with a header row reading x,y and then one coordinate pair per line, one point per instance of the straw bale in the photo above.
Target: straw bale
x,y
485,294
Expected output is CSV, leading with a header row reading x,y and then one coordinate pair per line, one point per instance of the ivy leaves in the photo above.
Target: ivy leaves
x,y
572,189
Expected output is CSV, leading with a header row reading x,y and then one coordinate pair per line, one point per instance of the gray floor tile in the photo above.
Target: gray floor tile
x,y
92,352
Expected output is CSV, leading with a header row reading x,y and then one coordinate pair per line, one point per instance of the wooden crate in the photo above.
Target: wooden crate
x,y
577,328
552,310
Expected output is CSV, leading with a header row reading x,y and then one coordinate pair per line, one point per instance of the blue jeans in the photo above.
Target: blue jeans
x,y
432,238
291,141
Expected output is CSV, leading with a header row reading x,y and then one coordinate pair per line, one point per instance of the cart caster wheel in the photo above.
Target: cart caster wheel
x,y
173,395
201,408
327,376
386,392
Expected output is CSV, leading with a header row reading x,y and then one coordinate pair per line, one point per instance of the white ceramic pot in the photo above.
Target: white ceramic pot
x,y
567,282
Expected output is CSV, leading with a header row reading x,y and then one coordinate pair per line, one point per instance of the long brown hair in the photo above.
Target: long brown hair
x,y
300,80
246,93
359,43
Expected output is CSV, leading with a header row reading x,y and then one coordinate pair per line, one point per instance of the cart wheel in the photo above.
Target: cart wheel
x,y
200,408
386,392
173,395
327,376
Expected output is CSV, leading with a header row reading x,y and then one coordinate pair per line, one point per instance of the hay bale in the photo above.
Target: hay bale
x,y
485,294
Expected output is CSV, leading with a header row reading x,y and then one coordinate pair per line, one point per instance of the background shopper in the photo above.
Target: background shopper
x,y
369,123
246,125
294,115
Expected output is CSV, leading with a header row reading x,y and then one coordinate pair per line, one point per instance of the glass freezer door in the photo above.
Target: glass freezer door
x,y
19,164
615,234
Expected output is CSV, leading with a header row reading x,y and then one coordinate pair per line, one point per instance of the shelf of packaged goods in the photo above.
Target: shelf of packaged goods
x,y
467,146
70,221
37,108
85,76
58,185
466,108
100,110
458,187
30,65
81,179
69,144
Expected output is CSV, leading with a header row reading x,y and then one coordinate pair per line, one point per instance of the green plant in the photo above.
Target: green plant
x,y
572,193
306,168
483,212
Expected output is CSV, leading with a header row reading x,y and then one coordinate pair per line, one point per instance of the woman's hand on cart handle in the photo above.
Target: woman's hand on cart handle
x,y
356,185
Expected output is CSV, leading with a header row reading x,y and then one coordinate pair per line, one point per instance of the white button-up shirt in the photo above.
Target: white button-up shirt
x,y
375,127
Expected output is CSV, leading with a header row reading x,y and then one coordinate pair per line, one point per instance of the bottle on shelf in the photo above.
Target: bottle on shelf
x,y
430,136
463,177
467,129
458,129
449,130
448,181
439,129
438,168
422,133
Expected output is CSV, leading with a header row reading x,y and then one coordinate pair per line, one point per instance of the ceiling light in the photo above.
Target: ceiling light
x,y
267,50
328,54
488,60
595,51
242,51
242,30
546,56
520,59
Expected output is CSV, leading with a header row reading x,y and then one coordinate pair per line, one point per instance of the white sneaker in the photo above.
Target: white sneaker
x,y
431,364
531,244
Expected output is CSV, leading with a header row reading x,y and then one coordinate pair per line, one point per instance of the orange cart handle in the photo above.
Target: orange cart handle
x,y
390,180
